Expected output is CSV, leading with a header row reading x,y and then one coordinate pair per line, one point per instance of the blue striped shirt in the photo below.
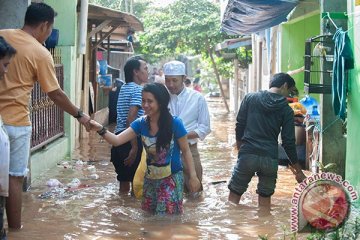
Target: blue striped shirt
x,y
129,96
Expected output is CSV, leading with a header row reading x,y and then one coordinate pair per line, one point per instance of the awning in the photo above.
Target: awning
x,y
243,17
233,43
111,26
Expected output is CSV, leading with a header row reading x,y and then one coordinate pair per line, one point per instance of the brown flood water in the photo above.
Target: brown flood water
x,y
96,211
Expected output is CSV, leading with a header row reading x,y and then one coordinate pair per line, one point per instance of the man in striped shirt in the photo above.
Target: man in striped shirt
x,y
126,157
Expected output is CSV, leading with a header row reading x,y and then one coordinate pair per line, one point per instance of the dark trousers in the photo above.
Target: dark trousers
x,y
119,154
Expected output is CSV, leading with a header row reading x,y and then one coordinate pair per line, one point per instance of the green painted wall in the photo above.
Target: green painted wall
x,y
47,158
293,36
68,58
353,125
66,20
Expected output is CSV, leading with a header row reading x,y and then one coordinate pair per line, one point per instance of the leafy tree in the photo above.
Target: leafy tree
x,y
139,6
184,27
108,3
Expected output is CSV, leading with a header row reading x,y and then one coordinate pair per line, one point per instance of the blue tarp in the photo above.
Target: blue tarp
x,y
242,17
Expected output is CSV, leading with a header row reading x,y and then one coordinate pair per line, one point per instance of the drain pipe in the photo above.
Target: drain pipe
x,y
83,27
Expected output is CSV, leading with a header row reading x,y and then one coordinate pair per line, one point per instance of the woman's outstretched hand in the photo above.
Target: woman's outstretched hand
x,y
194,184
95,126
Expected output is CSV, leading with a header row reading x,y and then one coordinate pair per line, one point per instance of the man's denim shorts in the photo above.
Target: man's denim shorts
x,y
246,167
20,137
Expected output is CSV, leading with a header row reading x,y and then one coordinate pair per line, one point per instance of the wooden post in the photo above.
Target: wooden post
x,y
108,50
217,75
260,66
236,84
273,50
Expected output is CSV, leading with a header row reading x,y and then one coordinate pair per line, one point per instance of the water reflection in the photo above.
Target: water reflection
x,y
94,210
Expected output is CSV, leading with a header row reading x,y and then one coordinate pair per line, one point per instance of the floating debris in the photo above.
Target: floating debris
x,y
53,182
91,169
94,176
75,182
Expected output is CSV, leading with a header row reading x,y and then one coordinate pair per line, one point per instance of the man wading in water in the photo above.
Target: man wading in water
x,y
261,117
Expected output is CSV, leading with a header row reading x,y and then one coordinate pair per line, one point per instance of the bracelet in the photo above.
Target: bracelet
x,y
102,131
80,114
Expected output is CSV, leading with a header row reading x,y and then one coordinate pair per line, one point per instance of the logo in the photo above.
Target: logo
x,y
322,201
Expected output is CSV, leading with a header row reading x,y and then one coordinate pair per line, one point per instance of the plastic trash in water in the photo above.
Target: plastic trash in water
x,y
53,183
64,164
94,176
54,193
91,169
79,163
75,182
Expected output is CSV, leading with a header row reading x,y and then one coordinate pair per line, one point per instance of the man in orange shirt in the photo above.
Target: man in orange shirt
x,y
33,62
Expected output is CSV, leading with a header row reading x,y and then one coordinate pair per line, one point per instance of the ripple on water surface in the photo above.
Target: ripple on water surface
x,y
94,210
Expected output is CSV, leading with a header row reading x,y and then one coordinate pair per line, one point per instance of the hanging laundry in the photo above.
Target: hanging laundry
x,y
343,61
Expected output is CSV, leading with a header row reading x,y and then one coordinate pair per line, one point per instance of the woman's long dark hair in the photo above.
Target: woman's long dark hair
x,y
162,96
6,49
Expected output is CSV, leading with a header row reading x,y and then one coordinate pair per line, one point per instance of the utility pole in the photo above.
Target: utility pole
x,y
132,6
126,6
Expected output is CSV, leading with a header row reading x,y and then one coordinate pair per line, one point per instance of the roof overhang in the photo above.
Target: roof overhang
x,y
106,19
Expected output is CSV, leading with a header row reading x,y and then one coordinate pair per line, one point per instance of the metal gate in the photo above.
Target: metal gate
x,y
47,118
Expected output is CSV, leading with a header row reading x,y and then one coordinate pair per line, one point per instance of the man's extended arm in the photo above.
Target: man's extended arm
x,y
288,143
61,100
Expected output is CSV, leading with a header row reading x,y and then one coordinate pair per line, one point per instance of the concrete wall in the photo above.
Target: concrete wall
x,y
353,127
293,37
12,13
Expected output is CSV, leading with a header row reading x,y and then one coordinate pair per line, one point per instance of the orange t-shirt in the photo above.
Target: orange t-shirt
x,y
32,62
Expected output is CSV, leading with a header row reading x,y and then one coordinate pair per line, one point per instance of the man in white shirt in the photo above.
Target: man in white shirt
x,y
191,107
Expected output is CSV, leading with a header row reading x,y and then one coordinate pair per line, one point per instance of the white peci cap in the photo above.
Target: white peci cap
x,y
174,68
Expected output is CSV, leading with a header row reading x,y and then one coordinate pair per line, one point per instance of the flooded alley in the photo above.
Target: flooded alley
x,y
92,208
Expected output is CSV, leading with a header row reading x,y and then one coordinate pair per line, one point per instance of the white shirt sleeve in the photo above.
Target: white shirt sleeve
x,y
203,121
